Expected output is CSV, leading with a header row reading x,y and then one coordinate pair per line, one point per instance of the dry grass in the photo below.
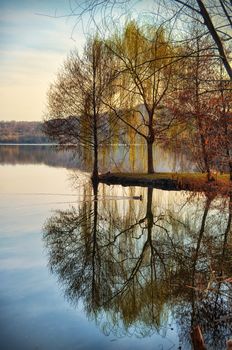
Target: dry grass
x,y
192,181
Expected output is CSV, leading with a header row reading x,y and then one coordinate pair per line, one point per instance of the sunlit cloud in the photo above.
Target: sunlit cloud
x,y
32,48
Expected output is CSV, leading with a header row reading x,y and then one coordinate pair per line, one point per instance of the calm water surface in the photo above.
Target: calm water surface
x,y
84,268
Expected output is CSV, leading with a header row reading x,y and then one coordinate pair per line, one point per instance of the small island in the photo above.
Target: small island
x,y
197,182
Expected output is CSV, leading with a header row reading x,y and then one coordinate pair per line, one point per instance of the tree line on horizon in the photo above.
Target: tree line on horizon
x,y
22,132
152,83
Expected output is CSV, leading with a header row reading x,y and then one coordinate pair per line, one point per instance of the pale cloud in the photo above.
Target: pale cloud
x,y
24,84
32,48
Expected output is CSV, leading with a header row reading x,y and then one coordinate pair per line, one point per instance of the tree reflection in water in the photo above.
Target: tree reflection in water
x,y
138,266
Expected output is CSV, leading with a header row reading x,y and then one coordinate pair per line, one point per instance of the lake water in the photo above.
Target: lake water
x,y
84,268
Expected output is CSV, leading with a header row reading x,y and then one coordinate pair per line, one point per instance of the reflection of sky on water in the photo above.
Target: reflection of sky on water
x,y
34,314
33,311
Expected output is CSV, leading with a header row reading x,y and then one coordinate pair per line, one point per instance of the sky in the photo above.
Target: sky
x,y
35,38
32,48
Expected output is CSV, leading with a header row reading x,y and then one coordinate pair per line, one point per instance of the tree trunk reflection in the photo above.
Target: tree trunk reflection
x,y
142,264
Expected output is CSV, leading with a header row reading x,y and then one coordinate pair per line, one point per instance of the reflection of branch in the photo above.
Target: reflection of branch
x,y
132,275
121,232
129,268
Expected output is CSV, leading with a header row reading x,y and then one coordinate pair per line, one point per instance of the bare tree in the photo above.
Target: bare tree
x,y
222,108
216,16
76,113
193,100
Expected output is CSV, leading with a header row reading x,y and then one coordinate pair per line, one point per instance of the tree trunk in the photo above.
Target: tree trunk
x,y
95,177
95,164
95,284
150,166
213,32
228,152
95,172
205,157
227,146
200,122
226,135
230,167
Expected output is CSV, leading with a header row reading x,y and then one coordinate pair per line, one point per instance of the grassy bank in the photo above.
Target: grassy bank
x,y
170,181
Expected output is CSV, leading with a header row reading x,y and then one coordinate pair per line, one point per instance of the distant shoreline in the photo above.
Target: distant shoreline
x,y
28,144
57,144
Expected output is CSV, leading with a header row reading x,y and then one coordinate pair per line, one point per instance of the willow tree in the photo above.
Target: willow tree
x,y
145,58
76,112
